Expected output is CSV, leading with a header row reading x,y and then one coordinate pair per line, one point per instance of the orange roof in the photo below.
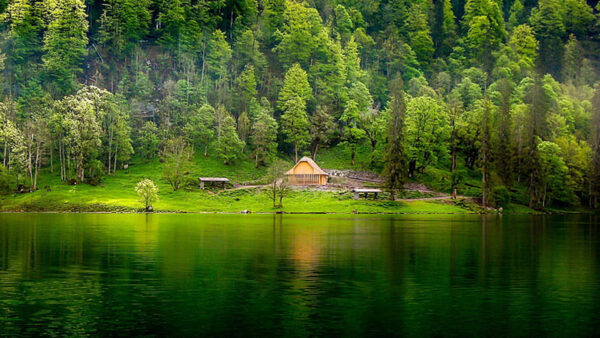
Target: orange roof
x,y
313,164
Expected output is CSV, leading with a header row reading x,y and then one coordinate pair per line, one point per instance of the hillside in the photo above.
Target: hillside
x,y
498,101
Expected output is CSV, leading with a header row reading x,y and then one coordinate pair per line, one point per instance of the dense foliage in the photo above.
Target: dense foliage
x,y
506,89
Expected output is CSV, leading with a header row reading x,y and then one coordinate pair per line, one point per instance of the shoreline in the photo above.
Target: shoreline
x,y
539,213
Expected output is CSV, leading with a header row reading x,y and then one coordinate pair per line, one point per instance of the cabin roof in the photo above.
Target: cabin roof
x,y
313,164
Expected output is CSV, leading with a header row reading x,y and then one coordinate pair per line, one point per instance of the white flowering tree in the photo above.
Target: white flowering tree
x,y
148,192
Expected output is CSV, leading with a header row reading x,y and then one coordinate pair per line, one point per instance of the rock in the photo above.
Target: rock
x,y
245,212
150,209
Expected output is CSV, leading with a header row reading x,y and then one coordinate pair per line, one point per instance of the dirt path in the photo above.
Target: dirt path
x,y
429,198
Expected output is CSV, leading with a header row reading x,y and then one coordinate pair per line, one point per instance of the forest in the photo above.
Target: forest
x,y
506,91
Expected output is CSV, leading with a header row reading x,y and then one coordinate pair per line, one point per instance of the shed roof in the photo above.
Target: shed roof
x,y
313,164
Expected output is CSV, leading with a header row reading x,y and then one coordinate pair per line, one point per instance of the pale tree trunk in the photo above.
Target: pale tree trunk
x,y
5,152
37,167
484,180
110,137
115,163
51,159
296,151
30,159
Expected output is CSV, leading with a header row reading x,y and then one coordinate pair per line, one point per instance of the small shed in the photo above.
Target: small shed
x,y
204,180
307,172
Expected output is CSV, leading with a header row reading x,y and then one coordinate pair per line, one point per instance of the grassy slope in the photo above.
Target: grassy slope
x,y
116,194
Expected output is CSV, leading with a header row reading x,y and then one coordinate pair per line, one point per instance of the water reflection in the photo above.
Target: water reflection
x,y
298,275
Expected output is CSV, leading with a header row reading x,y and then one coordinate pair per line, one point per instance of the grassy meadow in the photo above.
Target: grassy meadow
x,y
116,192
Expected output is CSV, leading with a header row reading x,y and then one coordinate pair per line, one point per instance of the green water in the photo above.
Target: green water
x,y
265,275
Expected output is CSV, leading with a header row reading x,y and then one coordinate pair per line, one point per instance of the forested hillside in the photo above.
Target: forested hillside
x,y
502,89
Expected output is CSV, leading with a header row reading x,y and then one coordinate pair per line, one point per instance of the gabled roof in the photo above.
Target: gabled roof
x,y
313,164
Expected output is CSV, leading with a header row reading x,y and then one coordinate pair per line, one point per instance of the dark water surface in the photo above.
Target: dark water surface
x,y
265,275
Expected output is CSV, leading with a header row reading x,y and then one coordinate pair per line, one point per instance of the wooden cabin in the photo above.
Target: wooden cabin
x,y
306,172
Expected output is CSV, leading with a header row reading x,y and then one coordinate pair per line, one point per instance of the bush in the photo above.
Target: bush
x,y
4,180
501,196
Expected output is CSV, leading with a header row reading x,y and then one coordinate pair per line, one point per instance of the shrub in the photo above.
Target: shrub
x,y
501,196
4,180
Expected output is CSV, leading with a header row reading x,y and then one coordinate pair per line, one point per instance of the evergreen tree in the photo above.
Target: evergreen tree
x,y
594,184
264,138
548,24
396,158
65,44
229,146
295,124
322,128
504,146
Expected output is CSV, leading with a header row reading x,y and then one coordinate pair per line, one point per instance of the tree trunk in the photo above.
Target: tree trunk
x,y
51,162
115,163
296,151
37,166
315,151
5,152
110,137
484,184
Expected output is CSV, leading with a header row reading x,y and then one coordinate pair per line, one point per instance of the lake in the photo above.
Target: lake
x,y
299,275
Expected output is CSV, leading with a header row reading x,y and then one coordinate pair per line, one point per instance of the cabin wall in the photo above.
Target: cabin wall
x,y
308,179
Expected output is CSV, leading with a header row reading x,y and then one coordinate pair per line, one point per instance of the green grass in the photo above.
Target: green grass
x,y
116,194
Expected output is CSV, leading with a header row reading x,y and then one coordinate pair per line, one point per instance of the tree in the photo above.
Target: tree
x,y
264,138
396,157
322,126
77,125
218,57
177,156
420,35
123,24
504,152
147,192
148,140
427,131
485,149
572,61
229,146
548,25
594,185
65,43
538,101
21,42
485,25
517,15
243,129
247,87
443,31
552,172
525,46
199,127
295,125
278,187
295,86
579,17
300,35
